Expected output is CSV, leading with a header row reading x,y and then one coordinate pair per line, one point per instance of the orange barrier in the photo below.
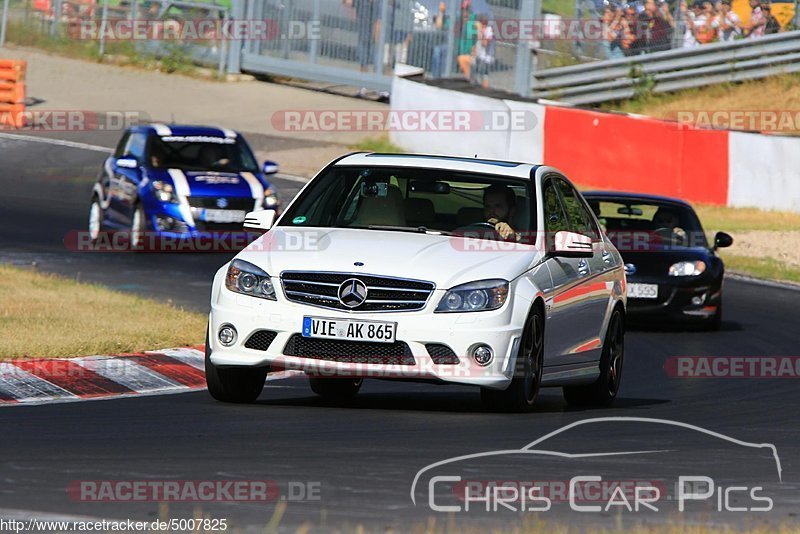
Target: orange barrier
x,y
609,151
12,93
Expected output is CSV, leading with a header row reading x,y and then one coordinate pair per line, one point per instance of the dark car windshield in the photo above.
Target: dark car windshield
x,y
412,199
631,221
201,153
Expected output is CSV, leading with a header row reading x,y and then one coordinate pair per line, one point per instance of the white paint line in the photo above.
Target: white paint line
x,y
24,386
127,372
56,142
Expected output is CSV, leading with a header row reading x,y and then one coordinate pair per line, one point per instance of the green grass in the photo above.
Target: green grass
x,y
721,218
48,316
565,8
378,144
29,34
765,268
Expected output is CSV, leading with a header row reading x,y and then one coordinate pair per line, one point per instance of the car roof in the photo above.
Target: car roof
x,y
184,130
454,163
627,196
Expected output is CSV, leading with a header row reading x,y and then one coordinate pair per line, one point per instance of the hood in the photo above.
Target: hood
x,y
447,261
211,183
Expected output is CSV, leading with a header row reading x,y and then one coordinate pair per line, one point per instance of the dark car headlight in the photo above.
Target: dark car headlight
x,y
687,268
483,295
164,192
245,278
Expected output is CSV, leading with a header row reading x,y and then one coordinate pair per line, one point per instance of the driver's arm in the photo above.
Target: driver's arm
x,y
505,230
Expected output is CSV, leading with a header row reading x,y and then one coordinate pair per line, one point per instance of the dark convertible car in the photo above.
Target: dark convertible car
x,y
673,273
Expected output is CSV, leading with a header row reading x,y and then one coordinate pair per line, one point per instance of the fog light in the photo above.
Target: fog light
x,y
227,335
698,300
483,355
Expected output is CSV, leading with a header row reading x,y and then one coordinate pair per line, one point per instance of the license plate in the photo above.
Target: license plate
x,y
224,216
348,329
643,291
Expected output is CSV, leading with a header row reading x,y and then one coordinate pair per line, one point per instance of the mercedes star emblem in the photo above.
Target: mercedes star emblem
x,y
352,293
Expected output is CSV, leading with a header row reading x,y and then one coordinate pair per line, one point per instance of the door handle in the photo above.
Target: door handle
x,y
583,267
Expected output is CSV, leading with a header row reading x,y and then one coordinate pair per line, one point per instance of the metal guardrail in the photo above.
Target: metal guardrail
x,y
672,70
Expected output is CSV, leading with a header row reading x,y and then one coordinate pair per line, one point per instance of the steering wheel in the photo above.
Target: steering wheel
x,y
483,224
480,228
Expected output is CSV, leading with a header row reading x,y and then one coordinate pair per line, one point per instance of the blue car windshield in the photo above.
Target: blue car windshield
x,y
201,153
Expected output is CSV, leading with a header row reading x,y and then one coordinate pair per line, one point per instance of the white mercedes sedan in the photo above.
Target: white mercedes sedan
x,y
440,269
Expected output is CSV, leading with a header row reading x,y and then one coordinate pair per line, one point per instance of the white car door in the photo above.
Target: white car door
x,y
595,288
566,315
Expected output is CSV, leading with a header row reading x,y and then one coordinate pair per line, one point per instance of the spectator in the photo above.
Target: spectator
x,y
441,21
663,9
398,33
367,16
652,32
704,30
612,32
758,21
772,26
729,23
466,38
483,56
628,23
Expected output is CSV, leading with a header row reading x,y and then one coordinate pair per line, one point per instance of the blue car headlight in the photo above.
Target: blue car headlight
x,y
483,295
245,278
164,191
270,199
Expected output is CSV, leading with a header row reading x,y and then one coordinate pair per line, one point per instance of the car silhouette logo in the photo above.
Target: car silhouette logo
x,y
222,202
630,268
352,293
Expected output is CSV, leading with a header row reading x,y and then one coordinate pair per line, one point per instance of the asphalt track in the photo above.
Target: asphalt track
x,y
364,456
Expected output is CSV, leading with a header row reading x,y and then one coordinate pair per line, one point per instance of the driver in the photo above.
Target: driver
x,y
499,205
666,218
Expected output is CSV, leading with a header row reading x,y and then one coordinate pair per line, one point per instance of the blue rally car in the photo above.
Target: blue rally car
x,y
179,182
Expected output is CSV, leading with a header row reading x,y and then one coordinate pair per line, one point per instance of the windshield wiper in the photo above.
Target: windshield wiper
x,y
414,229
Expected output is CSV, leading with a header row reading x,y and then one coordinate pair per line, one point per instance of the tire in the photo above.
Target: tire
x,y
604,390
520,396
335,389
138,228
241,385
95,219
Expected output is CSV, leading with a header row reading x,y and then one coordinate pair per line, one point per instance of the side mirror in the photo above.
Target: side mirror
x,y
127,162
270,167
259,220
722,240
572,245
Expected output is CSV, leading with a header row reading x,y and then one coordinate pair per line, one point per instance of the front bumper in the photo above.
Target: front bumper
x,y
679,301
500,329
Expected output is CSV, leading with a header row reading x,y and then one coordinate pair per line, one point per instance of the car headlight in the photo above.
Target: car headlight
x,y
687,268
164,192
245,278
270,199
475,296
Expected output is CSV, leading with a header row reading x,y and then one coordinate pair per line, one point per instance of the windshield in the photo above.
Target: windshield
x,y
413,199
628,222
201,153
